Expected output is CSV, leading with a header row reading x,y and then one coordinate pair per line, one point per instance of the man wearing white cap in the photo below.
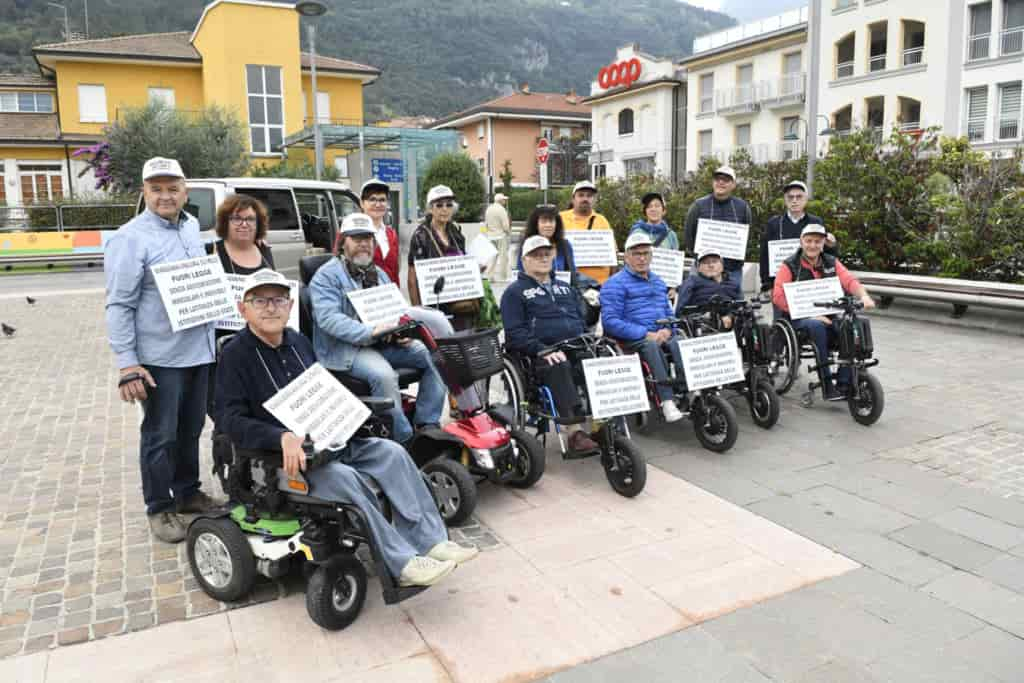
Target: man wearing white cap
x,y
261,360
720,205
499,230
709,280
344,343
166,371
788,226
811,263
631,301
581,216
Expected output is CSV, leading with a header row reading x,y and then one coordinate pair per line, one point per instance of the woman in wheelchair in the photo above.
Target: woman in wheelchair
x,y
632,301
538,311
705,283
266,356
810,262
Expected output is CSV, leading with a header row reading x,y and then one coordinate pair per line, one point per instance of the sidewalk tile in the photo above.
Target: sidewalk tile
x,y
994,651
854,510
952,548
991,532
997,605
837,671
1007,570
24,669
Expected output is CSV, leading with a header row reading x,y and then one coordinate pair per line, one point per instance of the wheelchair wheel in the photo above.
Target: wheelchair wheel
x,y
624,467
714,423
221,558
868,407
336,592
764,405
453,487
530,461
785,355
507,387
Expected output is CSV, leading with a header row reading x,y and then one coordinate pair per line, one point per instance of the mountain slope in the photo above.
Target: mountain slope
x,y
436,57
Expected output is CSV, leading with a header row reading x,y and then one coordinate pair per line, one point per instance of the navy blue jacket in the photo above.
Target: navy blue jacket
x,y
243,385
698,289
630,304
534,319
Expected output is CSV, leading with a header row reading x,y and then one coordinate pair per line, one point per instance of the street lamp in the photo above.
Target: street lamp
x,y
67,31
313,9
812,154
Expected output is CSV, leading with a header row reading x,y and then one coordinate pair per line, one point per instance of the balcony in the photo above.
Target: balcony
x,y
787,91
1009,129
913,56
844,69
737,101
1011,41
876,63
790,149
977,46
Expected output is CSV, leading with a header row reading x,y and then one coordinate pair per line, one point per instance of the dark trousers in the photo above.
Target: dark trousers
x,y
558,378
821,334
175,412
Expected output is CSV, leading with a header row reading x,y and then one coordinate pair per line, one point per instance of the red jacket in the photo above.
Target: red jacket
x,y
390,264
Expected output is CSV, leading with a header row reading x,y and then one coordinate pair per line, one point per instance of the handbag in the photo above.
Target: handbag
x,y
465,307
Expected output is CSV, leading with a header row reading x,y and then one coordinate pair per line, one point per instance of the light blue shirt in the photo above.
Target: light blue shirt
x,y
337,331
138,327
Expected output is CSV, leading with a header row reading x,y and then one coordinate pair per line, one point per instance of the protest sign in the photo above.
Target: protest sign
x,y
236,283
728,239
711,361
668,265
779,251
615,386
800,296
461,279
593,247
194,291
317,405
380,305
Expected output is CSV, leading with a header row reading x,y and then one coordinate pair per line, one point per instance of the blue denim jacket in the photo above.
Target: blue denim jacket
x,y
337,331
138,328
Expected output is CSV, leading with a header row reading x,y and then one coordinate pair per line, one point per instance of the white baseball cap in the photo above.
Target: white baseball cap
x,y
708,252
265,277
814,229
584,185
638,239
726,171
498,197
535,242
375,183
794,183
357,224
161,167
439,192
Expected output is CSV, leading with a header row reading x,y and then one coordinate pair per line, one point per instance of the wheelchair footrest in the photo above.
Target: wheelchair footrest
x,y
576,455
395,594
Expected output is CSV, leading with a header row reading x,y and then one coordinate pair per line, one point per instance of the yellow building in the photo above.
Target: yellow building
x,y
259,71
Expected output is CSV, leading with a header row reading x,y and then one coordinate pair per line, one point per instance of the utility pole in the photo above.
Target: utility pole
x,y
312,9
86,3
67,31
814,31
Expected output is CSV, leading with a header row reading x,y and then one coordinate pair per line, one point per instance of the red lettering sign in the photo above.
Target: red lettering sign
x,y
626,73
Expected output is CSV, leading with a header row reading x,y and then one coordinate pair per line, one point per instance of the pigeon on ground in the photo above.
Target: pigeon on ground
x,y
8,330
30,300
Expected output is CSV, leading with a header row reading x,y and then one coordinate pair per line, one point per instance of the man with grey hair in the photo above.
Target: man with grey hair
x,y
166,371
499,231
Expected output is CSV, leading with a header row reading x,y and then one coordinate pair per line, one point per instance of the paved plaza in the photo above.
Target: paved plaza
x,y
817,551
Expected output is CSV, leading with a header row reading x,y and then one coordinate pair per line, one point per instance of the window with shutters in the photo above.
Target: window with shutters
x,y
92,104
1009,111
977,112
41,182
745,84
980,33
707,93
704,143
743,135
266,108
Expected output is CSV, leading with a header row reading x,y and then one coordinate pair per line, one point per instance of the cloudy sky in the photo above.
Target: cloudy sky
x,y
749,10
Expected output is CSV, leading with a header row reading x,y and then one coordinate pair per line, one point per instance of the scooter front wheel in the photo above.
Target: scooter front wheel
x,y
764,405
867,407
336,592
714,422
453,488
530,460
624,467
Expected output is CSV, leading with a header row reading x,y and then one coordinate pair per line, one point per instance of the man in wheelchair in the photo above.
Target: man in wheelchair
x,y
259,362
631,302
706,282
538,311
344,344
811,262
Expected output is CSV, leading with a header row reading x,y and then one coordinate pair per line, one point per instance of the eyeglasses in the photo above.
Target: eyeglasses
x,y
641,254
444,205
376,200
248,220
793,197
264,301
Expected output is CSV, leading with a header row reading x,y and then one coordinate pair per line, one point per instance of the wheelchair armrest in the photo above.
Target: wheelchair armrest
x,y
271,457
378,405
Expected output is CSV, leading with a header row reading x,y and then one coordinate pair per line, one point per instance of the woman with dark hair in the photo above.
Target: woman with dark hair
x,y
242,223
653,222
545,221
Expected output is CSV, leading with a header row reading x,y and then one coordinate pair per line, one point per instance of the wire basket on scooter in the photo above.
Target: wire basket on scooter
x,y
470,356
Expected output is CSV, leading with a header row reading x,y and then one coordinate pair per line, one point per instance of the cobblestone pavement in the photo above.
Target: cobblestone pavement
x,y
77,561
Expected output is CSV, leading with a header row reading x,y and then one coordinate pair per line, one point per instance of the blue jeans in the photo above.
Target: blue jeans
x,y
820,334
655,357
376,367
417,525
175,412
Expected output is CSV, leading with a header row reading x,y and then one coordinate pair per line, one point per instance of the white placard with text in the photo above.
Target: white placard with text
x,y
461,279
593,247
194,291
615,386
800,296
235,321
380,305
317,405
668,265
711,361
779,251
483,250
729,239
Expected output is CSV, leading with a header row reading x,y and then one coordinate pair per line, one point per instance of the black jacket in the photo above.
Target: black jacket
x,y
732,210
781,228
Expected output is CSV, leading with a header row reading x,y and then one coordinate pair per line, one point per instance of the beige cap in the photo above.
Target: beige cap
x,y
159,167
535,242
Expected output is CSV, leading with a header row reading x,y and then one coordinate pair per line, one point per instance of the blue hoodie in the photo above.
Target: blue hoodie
x,y
536,316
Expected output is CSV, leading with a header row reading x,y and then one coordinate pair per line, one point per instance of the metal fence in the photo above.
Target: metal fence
x,y
64,217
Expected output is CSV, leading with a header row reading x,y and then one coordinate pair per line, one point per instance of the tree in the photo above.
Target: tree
x,y
461,174
294,169
208,144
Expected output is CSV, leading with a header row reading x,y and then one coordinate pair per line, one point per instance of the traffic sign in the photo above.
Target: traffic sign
x,y
542,151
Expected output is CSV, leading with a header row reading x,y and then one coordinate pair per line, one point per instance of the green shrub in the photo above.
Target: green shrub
x,y
462,175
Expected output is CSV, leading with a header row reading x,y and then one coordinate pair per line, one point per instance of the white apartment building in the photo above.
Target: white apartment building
x,y
747,88
637,126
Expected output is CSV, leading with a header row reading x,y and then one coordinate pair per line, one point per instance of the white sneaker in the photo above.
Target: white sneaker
x,y
449,550
671,412
424,571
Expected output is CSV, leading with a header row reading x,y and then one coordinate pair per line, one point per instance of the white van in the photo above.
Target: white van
x,y
303,213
